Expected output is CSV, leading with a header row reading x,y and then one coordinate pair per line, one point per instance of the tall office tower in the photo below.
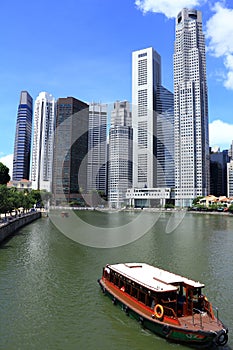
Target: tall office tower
x,y
218,172
43,138
152,116
97,148
165,138
190,109
120,154
230,179
70,150
22,148
146,77
230,151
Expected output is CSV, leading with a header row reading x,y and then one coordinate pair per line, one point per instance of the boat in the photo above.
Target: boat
x,y
165,303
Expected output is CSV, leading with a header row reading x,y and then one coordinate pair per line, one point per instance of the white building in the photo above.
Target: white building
x,y
146,77
190,109
97,148
142,197
230,179
120,154
43,137
153,124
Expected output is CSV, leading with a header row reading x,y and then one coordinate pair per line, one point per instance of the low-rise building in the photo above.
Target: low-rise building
x,y
20,185
149,197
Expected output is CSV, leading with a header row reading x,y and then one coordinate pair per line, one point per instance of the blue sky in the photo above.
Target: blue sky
x,y
83,49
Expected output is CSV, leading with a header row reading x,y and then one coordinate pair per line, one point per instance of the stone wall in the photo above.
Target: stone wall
x,y
7,229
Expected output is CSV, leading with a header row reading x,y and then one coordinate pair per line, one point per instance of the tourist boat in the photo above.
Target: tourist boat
x,y
165,303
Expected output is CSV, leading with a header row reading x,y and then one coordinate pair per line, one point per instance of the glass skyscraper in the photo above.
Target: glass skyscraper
x,y
190,109
70,150
22,146
165,175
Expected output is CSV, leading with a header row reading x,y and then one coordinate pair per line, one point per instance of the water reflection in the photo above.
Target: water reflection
x,y
50,298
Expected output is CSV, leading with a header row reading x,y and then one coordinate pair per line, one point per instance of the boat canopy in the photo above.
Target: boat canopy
x,y
152,277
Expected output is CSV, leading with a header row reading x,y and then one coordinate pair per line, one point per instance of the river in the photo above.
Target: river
x,y
50,298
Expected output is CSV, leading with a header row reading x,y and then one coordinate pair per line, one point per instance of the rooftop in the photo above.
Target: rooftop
x,y
152,277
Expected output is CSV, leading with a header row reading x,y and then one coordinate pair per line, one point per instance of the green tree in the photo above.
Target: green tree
x,y
169,206
197,199
4,174
4,205
230,209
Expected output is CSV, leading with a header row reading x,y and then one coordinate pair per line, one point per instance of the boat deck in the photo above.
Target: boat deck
x,y
200,322
203,322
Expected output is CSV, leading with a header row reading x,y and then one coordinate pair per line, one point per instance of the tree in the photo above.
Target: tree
x,y
197,199
4,174
4,206
169,206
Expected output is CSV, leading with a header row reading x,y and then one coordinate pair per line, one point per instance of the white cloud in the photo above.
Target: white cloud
x,y
219,31
8,161
221,134
170,8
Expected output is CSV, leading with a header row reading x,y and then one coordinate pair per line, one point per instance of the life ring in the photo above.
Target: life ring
x,y
158,311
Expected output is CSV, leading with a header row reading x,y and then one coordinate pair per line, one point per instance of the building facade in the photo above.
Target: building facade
x,y
23,134
97,148
190,109
146,77
120,154
153,124
165,138
43,138
218,172
230,179
70,150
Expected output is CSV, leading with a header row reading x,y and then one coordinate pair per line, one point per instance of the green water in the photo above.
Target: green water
x,y
50,298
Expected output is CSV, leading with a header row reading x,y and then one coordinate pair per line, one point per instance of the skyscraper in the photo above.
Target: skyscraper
x,y
230,179
165,138
22,147
146,78
153,129
120,154
70,150
190,109
218,172
97,148
42,151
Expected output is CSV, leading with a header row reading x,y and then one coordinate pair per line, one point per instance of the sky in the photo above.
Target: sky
x,y
83,49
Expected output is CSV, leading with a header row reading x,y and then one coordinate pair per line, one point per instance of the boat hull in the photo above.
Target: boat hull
x,y
200,339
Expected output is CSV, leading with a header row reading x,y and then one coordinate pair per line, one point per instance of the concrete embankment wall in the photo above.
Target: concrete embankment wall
x,y
9,228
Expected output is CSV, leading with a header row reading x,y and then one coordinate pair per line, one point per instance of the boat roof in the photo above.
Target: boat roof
x,y
152,277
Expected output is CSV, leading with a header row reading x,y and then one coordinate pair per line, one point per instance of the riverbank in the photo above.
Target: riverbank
x,y
150,210
8,228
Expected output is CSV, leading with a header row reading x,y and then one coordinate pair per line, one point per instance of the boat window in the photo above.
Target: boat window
x,y
142,297
134,292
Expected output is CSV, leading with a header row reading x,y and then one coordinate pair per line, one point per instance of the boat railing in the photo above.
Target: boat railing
x,y
209,312
209,309
216,309
197,311
168,311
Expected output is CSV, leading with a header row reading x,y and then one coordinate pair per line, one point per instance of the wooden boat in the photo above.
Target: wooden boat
x,y
167,304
